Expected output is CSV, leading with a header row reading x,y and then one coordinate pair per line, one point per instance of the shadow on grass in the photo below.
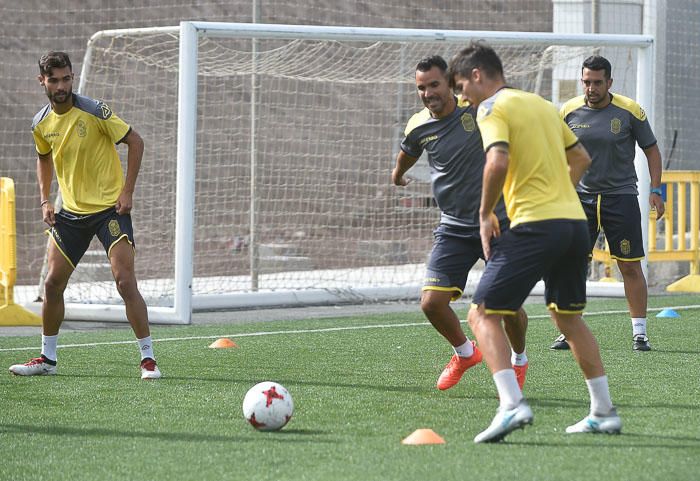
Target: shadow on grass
x,y
622,441
584,402
288,382
288,435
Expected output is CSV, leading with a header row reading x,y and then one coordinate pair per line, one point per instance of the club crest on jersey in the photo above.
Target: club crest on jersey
x,y
114,229
625,247
468,122
81,127
615,125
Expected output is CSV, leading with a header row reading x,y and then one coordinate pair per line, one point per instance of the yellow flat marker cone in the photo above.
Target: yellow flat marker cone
x,y
223,343
423,436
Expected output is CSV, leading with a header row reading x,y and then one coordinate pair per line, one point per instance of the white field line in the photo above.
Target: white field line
x,y
312,331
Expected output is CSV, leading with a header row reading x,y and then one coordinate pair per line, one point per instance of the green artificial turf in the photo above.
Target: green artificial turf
x,y
358,391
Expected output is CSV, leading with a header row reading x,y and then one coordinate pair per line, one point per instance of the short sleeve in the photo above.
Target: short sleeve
x,y
410,146
111,125
570,138
493,126
642,130
42,146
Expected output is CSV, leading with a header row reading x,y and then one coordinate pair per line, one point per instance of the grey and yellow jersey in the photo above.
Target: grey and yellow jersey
x,y
609,135
456,160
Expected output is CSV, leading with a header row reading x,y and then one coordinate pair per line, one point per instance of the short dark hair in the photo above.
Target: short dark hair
x,y
433,61
596,62
54,60
476,55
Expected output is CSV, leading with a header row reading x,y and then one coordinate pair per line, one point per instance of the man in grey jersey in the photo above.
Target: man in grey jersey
x,y
447,131
609,125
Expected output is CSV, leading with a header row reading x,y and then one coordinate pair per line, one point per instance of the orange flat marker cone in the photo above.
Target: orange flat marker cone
x,y
223,343
423,436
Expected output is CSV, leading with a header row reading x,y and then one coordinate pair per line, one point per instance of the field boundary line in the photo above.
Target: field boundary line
x,y
314,331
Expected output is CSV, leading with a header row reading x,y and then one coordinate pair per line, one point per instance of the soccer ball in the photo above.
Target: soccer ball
x,y
268,406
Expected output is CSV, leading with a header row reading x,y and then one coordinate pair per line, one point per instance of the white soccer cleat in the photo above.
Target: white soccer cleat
x,y
506,421
610,424
34,367
149,369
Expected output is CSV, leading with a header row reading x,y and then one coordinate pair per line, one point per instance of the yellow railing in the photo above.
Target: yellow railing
x,y
682,219
10,313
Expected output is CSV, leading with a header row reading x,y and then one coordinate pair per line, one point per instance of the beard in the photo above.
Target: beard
x,y
60,96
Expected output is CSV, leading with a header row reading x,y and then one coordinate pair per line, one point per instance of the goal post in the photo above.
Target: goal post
x,y
269,152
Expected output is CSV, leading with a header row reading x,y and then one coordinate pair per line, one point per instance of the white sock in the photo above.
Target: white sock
x,y
146,347
601,404
465,350
48,346
639,326
518,359
508,390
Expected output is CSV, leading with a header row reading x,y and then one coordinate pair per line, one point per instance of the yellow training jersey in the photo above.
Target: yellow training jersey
x,y
82,143
537,186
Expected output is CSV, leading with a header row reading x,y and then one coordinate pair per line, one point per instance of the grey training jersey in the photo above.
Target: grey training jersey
x,y
456,159
609,135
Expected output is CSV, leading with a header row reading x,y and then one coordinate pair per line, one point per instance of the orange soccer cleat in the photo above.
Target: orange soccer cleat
x,y
456,368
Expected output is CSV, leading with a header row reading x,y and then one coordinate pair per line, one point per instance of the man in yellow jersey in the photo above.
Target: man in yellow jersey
x,y
534,159
610,126
76,137
446,130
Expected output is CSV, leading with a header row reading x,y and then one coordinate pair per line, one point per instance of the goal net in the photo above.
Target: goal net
x,y
269,149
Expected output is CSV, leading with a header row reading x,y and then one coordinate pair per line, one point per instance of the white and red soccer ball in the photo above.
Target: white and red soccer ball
x,y
268,406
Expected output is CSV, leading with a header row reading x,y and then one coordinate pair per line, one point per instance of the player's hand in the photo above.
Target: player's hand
x,y
124,203
48,213
657,203
399,179
489,228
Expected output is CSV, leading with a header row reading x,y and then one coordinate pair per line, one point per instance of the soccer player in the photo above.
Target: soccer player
x,y
76,136
446,129
608,125
534,159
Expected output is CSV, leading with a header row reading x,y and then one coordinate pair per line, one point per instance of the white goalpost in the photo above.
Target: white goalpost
x,y
266,179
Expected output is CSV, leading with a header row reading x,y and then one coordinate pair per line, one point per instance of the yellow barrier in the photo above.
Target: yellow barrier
x,y
685,248
10,313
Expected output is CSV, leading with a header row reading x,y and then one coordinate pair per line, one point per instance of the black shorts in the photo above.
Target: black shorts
x,y
554,250
619,217
72,233
455,251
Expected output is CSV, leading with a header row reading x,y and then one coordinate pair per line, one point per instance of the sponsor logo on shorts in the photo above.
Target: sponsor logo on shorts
x,y
432,280
615,125
114,229
468,122
625,247
56,235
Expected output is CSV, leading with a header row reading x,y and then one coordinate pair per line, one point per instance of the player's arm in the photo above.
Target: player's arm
x,y
495,171
44,175
133,164
403,163
579,161
654,160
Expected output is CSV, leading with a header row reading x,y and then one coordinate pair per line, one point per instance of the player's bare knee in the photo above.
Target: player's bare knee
x,y
126,285
474,319
54,286
428,305
630,270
